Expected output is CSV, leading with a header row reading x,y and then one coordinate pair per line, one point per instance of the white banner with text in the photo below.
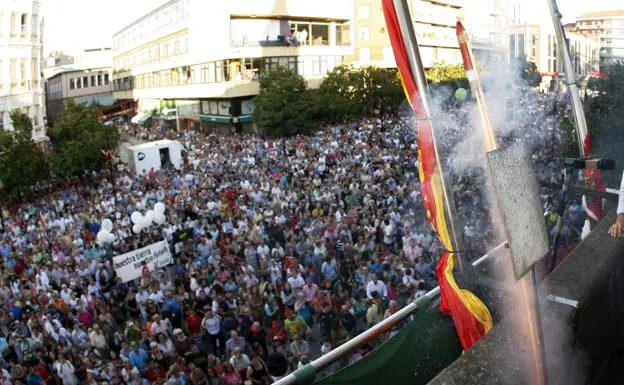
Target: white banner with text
x,y
131,265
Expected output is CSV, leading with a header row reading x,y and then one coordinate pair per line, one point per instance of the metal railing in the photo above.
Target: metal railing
x,y
361,339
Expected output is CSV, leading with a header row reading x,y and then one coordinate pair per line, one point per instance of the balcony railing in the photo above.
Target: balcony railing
x,y
280,42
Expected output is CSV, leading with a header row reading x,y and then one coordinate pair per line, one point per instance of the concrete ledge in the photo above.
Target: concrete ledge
x,y
593,275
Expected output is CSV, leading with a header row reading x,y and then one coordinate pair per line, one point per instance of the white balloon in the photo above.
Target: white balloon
x,y
135,217
107,225
160,219
101,235
150,215
136,229
159,207
144,223
110,238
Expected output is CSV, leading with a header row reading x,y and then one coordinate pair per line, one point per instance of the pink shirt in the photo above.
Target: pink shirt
x,y
310,292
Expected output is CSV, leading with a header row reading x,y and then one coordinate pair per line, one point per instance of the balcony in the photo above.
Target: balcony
x,y
453,3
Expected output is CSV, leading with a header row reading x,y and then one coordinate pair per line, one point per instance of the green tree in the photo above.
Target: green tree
x,y
351,93
78,139
604,113
339,93
383,90
445,73
22,162
283,106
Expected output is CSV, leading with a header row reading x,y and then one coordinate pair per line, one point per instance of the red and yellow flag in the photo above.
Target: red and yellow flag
x,y
471,317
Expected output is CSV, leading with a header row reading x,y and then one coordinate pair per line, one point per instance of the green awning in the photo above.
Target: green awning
x,y
141,118
215,118
245,118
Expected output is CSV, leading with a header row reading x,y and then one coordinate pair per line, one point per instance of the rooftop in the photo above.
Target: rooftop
x,y
598,14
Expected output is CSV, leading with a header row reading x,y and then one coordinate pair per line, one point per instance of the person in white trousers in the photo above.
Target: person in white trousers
x,y
617,230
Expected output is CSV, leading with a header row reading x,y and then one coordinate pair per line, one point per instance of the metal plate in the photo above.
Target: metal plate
x,y
515,185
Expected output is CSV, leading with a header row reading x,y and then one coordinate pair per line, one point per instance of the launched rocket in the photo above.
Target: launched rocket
x,y
475,86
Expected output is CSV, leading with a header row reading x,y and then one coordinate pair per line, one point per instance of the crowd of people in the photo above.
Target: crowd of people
x,y
280,254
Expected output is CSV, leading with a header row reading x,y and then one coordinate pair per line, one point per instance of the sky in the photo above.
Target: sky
x,y
74,25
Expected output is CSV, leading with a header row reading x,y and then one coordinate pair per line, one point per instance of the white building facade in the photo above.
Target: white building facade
x,y
487,23
21,84
193,64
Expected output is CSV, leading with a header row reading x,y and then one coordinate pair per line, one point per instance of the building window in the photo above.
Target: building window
x,y
72,84
343,34
365,55
219,73
23,69
1,120
13,23
377,53
106,79
320,34
364,33
33,69
85,81
520,45
78,83
388,54
34,24
363,12
13,66
24,27
93,81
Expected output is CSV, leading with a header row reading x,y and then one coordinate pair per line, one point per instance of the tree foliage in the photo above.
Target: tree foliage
x,y
604,113
347,92
283,106
445,73
22,162
78,139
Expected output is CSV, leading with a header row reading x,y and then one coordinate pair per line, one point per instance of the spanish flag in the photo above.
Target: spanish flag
x,y
471,317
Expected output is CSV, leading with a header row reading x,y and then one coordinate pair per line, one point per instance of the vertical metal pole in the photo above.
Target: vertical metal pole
x,y
415,60
577,104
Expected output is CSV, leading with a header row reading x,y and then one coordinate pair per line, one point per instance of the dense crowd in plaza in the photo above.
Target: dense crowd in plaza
x,y
280,255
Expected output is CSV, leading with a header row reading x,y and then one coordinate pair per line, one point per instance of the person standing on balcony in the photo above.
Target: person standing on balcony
x,y
617,230
304,37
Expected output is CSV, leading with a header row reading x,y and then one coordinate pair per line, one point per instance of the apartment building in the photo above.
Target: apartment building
x,y
607,28
190,64
21,84
486,22
434,24
84,86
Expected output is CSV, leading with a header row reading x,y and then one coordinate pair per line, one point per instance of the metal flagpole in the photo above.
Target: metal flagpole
x,y
527,283
411,47
577,105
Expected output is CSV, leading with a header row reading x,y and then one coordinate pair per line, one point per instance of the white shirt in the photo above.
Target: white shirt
x,y
142,297
163,327
379,287
296,283
620,208
158,297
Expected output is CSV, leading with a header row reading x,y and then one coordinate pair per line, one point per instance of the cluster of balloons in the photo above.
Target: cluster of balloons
x,y
105,235
152,217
